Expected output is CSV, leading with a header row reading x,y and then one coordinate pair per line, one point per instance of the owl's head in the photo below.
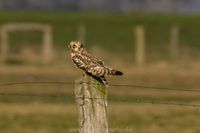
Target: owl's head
x,y
76,46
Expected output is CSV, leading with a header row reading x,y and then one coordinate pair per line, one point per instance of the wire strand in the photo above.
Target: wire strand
x,y
137,100
114,85
32,94
37,82
155,87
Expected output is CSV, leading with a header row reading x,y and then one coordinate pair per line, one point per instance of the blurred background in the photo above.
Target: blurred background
x,y
155,43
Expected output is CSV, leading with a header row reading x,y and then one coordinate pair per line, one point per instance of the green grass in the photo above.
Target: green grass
x,y
113,32
43,123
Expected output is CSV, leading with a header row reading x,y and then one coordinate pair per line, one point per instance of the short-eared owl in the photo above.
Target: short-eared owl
x,y
90,64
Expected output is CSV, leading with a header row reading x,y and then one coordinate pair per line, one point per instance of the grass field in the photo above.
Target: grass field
x,y
50,108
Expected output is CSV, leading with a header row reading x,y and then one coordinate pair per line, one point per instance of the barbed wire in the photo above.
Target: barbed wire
x,y
167,103
157,88
32,94
61,95
136,100
113,85
139,100
37,82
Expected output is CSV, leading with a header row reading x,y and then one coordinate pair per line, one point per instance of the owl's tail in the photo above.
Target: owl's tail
x,y
113,72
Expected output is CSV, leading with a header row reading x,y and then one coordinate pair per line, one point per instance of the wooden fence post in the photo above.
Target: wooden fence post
x,y
174,42
91,99
140,45
47,49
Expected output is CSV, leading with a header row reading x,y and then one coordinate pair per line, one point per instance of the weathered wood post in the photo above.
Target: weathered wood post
x,y
91,99
47,49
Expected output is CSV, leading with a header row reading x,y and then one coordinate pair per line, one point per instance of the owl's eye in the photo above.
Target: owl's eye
x,y
74,46
81,45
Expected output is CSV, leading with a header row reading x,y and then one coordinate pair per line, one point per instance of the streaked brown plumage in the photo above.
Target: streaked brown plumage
x,y
90,64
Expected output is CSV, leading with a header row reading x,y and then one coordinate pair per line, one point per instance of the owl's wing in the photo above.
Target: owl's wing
x,y
99,61
95,59
79,62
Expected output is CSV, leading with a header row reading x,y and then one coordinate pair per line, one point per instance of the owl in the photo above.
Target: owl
x,y
89,63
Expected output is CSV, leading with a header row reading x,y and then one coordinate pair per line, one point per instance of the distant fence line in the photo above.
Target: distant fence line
x,y
47,44
140,43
